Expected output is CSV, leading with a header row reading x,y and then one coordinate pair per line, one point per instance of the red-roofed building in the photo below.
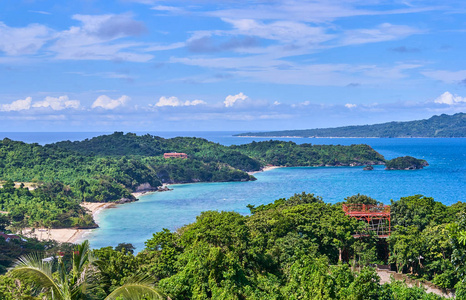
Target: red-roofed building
x,y
9,237
175,155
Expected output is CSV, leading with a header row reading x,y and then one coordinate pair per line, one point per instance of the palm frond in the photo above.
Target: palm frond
x,y
135,291
33,269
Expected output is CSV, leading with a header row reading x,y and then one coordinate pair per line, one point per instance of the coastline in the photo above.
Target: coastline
x,y
67,235
346,137
265,169
73,235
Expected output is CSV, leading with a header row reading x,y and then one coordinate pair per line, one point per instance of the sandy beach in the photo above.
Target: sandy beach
x,y
266,168
66,235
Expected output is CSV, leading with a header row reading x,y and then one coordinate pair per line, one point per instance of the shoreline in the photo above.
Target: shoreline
x,y
74,235
67,235
346,137
265,169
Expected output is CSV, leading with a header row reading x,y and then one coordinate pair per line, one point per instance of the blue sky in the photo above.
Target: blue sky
x,y
148,65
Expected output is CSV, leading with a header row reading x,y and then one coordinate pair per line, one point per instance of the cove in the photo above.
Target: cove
x,y
444,180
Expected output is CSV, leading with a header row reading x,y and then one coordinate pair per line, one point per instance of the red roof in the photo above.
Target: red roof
x,y
11,236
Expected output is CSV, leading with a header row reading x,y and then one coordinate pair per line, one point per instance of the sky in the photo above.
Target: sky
x,y
228,65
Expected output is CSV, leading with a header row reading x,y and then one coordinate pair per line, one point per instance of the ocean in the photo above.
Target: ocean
x,y
444,180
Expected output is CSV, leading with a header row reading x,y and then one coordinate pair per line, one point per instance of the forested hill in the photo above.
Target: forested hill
x,y
109,167
130,144
249,157
436,126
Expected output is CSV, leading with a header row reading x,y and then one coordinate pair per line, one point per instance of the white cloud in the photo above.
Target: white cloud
x,y
96,39
266,69
284,31
106,102
383,32
165,8
59,103
231,100
194,102
276,103
165,47
315,11
350,105
17,105
305,103
174,101
24,40
450,99
170,101
40,12
110,26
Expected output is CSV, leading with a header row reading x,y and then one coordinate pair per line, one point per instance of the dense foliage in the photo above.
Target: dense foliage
x,y
97,178
50,205
405,163
280,153
109,167
296,248
119,144
290,249
436,126
420,243
249,157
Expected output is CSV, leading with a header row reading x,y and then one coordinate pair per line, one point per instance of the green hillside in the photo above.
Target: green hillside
x,y
436,126
109,168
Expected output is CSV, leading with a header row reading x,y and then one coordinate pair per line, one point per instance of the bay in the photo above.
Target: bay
x,y
444,180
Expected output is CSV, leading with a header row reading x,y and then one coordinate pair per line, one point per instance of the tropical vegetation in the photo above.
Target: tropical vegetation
x,y
405,163
110,167
295,248
436,126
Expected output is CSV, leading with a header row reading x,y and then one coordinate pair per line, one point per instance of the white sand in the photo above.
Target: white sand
x,y
66,235
265,169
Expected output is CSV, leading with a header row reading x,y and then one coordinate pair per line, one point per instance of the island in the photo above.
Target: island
x,y
436,126
55,180
405,163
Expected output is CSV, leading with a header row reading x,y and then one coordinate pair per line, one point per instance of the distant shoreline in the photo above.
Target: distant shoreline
x,y
347,137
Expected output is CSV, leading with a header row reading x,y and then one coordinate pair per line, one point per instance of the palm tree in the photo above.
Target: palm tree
x,y
73,285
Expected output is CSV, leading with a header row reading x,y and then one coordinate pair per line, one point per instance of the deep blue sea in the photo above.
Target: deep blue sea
x,y
444,180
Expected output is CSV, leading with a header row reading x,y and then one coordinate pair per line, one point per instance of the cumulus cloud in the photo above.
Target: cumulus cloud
x,y
59,103
231,100
17,105
108,103
350,105
449,98
174,101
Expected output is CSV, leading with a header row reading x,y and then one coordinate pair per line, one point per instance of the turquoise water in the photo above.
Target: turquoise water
x,y
444,179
